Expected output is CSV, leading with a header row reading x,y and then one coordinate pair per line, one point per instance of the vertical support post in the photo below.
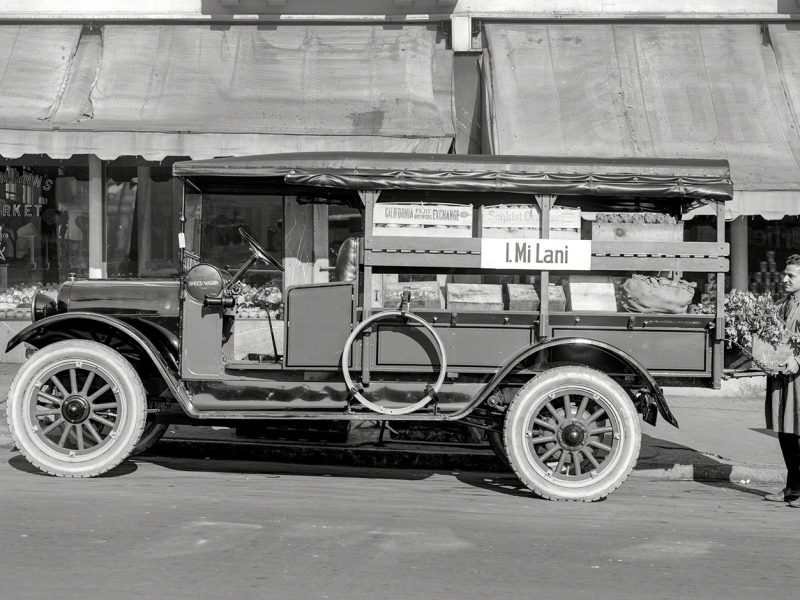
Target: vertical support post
x,y
545,204
179,209
144,217
369,198
320,247
298,233
97,215
719,325
739,254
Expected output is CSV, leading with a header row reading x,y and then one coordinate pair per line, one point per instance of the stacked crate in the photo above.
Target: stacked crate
x,y
636,227
768,279
419,219
524,221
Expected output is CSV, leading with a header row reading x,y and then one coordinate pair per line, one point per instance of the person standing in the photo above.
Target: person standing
x,y
783,392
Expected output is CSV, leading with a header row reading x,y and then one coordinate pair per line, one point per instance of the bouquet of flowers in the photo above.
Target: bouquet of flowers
x,y
754,325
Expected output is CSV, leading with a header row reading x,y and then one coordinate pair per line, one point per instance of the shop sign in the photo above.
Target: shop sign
x,y
38,183
536,255
448,215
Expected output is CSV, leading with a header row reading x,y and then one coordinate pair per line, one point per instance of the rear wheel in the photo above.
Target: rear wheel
x,y
151,433
76,409
572,433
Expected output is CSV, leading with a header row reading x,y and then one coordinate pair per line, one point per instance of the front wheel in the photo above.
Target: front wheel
x,y
76,409
572,433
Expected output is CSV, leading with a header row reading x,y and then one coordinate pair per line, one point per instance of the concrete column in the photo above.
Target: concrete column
x,y
740,275
97,258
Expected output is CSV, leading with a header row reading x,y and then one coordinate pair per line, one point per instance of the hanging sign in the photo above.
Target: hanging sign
x,y
536,255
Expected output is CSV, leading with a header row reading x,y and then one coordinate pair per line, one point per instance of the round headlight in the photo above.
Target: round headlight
x,y
42,306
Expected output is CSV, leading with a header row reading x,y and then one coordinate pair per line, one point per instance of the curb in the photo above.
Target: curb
x,y
736,474
437,459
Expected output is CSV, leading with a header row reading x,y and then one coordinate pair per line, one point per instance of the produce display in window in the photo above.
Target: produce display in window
x,y
15,302
769,278
260,302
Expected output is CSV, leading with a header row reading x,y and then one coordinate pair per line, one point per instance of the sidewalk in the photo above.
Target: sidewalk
x,y
720,439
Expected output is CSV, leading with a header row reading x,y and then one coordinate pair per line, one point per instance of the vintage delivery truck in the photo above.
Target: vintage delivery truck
x,y
560,389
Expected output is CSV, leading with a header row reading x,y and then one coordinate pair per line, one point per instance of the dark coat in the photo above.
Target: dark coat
x,y
782,407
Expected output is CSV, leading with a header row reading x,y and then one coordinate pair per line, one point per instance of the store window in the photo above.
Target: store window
x,y
141,221
44,207
770,243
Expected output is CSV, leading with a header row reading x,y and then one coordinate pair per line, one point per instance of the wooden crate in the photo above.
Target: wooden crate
x,y
524,221
591,293
485,297
424,294
378,281
556,299
637,232
521,296
412,219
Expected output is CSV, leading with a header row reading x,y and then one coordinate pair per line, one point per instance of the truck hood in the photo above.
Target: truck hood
x,y
124,297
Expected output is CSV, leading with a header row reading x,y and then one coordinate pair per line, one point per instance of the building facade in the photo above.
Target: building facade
x,y
98,99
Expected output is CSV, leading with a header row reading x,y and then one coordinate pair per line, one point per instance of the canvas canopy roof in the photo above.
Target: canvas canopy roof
x,y
198,90
688,180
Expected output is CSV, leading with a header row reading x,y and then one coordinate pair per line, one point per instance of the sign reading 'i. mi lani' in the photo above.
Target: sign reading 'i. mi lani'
x,y
532,254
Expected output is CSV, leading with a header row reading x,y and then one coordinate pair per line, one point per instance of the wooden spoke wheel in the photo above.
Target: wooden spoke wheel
x,y
572,433
76,409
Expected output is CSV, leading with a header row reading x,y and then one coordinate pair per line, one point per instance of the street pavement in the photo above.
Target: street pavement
x,y
178,528
720,439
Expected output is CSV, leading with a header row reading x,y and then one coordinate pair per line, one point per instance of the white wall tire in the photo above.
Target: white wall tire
x,y
572,433
76,409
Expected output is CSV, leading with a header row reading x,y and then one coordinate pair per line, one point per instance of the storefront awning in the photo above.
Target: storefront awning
x,y
773,206
637,90
202,91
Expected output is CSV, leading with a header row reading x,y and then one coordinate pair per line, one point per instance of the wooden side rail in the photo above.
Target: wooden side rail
x,y
465,253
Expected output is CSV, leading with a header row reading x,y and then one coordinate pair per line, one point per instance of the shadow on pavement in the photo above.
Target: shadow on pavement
x,y
231,464
481,470
20,463
662,454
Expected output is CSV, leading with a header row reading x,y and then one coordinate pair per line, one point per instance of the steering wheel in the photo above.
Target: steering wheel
x,y
258,250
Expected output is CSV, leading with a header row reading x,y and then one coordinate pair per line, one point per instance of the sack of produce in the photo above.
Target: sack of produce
x,y
648,294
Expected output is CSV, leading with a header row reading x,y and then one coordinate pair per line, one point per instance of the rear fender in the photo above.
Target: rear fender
x,y
154,353
583,351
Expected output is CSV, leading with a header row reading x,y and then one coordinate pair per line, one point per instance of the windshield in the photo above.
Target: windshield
x,y
223,215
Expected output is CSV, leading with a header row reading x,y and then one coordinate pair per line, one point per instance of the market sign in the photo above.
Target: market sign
x,y
536,255
12,205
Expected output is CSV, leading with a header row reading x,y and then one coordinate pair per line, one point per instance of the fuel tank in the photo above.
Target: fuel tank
x,y
124,298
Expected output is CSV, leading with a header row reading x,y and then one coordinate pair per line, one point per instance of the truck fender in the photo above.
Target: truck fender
x,y
56,327
635,366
